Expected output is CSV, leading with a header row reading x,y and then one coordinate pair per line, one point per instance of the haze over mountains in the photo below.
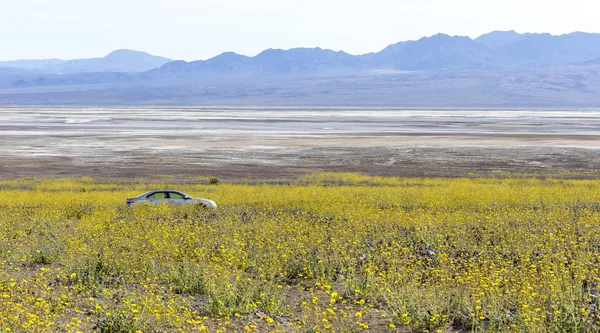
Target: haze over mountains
x,y
499,69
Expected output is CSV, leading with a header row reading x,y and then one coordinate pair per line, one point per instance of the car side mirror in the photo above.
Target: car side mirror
x,y
187,198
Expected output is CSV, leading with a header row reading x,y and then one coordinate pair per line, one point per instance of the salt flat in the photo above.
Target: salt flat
x,y
129,142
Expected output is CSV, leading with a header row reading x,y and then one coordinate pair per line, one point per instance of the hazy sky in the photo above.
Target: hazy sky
x,y
200,29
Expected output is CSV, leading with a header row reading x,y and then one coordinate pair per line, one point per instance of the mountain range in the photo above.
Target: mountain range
x,y
125,61
503,69
440,52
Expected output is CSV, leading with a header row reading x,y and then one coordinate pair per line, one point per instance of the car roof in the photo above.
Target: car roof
x,y
154,191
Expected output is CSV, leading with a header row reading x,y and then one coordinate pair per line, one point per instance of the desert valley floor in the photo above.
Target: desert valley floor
x,y
273,143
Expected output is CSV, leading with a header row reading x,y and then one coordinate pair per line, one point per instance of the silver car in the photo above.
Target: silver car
x,y
169,196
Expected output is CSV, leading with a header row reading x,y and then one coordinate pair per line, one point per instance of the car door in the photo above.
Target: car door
x,y
176,198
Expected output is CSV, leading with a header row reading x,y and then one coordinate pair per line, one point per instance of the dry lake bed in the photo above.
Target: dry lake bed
x,y
277,143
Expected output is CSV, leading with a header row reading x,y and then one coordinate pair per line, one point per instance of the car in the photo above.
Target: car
x,y
170,197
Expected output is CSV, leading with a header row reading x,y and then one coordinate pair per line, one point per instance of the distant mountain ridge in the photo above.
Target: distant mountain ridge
x,y
500,69
497,39
122,61
268,62
433,53
496,50
31,64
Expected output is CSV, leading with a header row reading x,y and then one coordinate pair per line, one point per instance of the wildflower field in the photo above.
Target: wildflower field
x,y
329,252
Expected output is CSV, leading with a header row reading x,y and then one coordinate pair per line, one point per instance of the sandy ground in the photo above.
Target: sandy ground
x,y
272,144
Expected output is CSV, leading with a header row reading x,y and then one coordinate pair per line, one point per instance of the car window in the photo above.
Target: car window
x,y
158,195
175,195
